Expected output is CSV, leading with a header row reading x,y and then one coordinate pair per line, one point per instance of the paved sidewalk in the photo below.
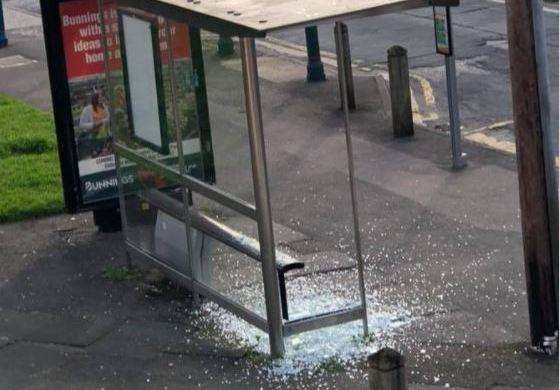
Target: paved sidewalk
x,y
23,68
443,249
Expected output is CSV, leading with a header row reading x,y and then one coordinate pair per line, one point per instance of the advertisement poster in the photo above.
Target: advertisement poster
x,y
85,67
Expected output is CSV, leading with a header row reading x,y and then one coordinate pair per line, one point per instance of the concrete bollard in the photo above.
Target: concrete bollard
x,y
400,93
387,370
346,56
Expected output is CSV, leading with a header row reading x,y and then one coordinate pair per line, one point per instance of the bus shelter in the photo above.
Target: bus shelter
x,y
162,149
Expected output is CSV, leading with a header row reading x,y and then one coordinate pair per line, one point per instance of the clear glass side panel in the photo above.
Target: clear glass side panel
x,y
199,103
309,183
146,128
234,274
226,104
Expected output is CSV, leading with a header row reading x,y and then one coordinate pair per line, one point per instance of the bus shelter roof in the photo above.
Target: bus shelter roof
x,y
256,18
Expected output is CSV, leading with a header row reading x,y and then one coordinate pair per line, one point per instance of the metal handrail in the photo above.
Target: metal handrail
x,y
195,185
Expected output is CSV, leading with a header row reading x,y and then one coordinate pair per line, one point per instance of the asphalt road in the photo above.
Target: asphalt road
x,y
481,50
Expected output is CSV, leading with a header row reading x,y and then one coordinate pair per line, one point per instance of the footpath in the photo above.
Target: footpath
x,y
444,268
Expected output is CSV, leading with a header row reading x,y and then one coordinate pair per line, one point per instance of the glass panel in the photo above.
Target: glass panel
x,y
147,121
307,159
228,121
234,274
143,125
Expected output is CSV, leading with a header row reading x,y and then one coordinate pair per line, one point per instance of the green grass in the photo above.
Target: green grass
x,y
120,274
30,183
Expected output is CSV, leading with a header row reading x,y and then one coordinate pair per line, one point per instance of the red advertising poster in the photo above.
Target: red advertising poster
x,y
82,38
81,35
85,67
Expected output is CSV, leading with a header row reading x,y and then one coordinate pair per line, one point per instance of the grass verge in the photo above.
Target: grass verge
x,y
30,184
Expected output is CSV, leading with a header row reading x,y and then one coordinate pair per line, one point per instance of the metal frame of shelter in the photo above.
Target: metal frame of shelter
x,y
224,18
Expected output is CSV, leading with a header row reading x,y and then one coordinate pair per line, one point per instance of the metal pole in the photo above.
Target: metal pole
x,y
315,67
262,197
536,168
458,161
341,36
354,202
3,39
180,154
110,94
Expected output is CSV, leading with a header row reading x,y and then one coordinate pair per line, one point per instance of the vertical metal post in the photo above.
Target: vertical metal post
x,y
354,202
190,269
536,168
110,94
262,197
341,36
3,39
315,67
458,161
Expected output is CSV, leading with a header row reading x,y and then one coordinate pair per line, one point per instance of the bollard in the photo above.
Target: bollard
x,y
387,370
3,39
225,46
345,52
400,93
315,67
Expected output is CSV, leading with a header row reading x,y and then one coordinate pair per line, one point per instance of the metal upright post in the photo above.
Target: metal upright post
x,y
3,39
345,72
193,271
458,161
262,197
110,95
315,67
340,46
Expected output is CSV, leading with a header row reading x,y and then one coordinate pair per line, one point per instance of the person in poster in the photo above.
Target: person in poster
x,y
94,120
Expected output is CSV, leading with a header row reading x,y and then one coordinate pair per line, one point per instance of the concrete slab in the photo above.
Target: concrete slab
x,y
48,328
14,18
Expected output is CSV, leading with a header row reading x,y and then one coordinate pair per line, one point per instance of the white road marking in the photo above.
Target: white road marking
x,y
15,61
546,9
